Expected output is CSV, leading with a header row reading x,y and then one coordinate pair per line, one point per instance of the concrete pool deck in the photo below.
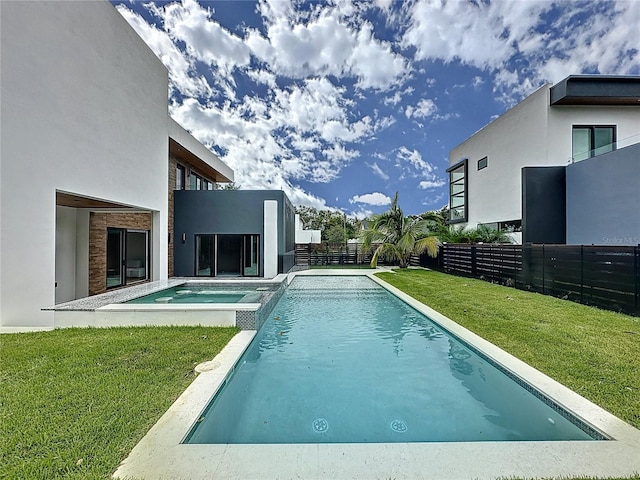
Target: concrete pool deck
x,y
160,454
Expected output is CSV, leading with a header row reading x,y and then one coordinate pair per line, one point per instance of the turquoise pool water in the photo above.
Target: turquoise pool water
x,y
341,360
201,294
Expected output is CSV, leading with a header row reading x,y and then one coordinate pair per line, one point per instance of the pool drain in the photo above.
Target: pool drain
x,y
320,425
398,426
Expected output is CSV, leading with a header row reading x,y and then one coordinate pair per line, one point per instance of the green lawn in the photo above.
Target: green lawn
x,y
74,402
593,352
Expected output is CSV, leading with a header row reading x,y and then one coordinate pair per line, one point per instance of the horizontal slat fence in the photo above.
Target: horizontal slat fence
x,y
604,276
331,254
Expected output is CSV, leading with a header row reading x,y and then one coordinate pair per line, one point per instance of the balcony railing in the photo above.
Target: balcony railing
x,y
578,157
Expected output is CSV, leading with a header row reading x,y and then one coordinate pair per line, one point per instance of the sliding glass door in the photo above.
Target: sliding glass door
x,y
115,257
227,255
137,255
127,256
205,255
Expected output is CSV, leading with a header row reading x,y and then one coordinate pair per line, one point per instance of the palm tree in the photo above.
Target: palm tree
x,y
397,236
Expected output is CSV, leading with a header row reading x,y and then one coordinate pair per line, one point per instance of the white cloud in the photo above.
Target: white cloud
x,y
378,171
423,109
431,184
181,72
204,38
375,198
524,44
326,44
397,96
361,213
464,31
412,159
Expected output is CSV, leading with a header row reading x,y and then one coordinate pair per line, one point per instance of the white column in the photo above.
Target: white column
x,y
270,239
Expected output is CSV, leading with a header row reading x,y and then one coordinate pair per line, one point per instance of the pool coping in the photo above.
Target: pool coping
x,y
108,310
161,455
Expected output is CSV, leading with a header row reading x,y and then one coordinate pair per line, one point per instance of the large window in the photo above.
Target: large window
x,y
591,140
458,192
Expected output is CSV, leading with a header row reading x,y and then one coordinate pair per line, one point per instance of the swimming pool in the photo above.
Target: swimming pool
x,y
342,360
194,293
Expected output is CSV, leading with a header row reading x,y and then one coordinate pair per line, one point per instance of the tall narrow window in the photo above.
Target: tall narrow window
x,y
589,141
180,177
458,192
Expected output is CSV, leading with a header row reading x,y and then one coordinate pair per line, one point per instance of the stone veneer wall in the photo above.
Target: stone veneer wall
x,y
98,224
172,186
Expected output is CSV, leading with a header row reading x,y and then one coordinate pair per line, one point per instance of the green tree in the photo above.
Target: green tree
x,y
333,225
398,237
473,235
227,186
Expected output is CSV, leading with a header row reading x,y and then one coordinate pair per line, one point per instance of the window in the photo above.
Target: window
x,y
482,163
199,183
180,177
589,141
458,192
506,226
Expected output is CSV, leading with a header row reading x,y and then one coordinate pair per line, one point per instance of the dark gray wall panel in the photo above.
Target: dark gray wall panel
x,y
227,212
603,199
543,205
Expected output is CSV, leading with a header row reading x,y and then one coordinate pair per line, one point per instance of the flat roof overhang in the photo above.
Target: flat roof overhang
x,y
186,148
597,90
66,199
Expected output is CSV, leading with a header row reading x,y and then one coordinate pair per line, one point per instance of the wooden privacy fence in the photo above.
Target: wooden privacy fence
x,y
604,276
332,254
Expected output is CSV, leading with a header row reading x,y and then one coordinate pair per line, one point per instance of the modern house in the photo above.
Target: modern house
x,y
89,158
562,166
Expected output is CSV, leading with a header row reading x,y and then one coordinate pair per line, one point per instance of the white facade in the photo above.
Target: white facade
x,y
84,116
306,236
532,133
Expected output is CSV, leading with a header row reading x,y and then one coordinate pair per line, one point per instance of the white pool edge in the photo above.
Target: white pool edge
x,y
160,455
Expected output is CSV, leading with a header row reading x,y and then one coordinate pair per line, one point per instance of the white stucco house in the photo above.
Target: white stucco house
x,y
89,158
556,166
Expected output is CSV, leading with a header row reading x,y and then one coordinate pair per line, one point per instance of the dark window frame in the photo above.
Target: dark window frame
x,y
464,164
485,165
592,140
181,177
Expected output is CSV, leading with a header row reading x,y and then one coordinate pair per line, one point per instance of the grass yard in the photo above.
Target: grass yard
x,y
594,352
74,402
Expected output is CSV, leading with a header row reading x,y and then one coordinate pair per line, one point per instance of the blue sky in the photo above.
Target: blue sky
x,y
341,104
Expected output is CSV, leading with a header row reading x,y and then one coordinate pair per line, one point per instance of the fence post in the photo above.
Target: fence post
x,y
473,261
543,262
582,274
637,271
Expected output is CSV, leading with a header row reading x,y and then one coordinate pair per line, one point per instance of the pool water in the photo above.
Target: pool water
x,y
341,360
200,294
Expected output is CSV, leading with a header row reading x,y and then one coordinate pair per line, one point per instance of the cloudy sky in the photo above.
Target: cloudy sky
x,y
341,104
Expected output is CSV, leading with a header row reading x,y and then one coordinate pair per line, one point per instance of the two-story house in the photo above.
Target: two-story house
x,y
562,166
